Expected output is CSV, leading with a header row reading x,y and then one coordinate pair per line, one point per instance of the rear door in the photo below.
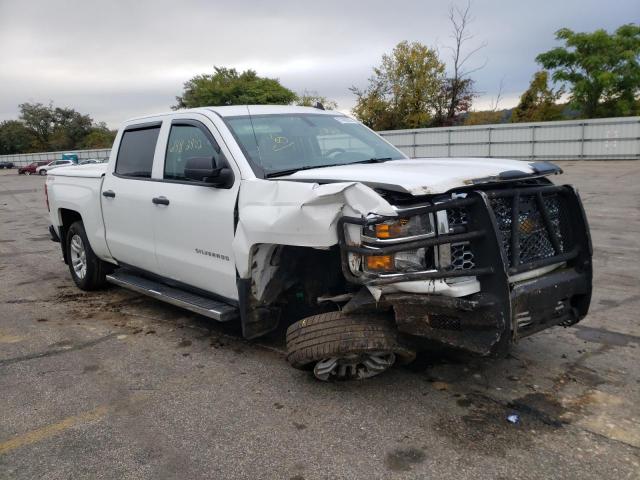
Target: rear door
x,y
195,229
126,197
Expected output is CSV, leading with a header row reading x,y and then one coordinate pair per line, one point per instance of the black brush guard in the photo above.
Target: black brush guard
x,y
503,311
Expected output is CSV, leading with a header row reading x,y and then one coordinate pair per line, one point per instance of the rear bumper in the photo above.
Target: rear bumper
x,y
474,323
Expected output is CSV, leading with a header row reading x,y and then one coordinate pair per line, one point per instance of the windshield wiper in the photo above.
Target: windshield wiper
x,y
294,170
371,160
311,167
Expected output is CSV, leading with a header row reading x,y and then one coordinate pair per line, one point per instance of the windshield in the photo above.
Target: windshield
x,y
284,143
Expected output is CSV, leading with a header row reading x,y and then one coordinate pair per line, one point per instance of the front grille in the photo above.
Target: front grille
x,y
534,240
462,257
457,216
461,254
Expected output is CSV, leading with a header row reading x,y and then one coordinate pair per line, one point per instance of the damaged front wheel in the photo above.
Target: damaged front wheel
x,y
346,347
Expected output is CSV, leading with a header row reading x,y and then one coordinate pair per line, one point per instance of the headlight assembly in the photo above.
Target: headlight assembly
x,y
399,229
394,231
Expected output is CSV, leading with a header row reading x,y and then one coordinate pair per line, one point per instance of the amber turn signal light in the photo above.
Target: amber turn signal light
x,y
390,230
382,263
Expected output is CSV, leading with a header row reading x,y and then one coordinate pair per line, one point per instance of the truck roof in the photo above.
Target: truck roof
x,y
240,110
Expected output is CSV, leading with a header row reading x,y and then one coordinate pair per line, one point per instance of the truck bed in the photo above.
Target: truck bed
x,y
78,189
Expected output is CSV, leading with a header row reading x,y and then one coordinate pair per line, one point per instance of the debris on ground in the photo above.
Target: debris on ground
x,y
513,418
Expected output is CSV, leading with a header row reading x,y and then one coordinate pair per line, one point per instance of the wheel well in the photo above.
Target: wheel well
x,y
67,218
286,281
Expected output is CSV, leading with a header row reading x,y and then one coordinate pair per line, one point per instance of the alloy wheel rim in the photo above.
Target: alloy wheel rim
x,y
78,257
356,366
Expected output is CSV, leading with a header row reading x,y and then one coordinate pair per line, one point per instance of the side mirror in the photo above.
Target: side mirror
x,y
203,169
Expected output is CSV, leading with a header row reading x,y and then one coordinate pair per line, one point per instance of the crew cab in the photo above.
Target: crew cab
x,y
270,214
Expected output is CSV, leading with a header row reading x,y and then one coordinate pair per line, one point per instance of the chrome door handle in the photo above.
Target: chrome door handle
x,y
160,200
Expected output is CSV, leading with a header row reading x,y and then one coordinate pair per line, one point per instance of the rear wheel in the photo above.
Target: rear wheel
x,y
87,270
346,347
43,172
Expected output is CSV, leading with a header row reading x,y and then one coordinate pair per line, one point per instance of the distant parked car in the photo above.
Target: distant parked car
x,y
31,168
91,160
7,165
51,165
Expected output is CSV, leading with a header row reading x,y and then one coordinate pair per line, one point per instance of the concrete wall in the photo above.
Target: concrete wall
x,y
607,138
27,158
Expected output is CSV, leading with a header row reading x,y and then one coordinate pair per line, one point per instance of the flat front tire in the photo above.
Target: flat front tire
x,y
87,270
346,347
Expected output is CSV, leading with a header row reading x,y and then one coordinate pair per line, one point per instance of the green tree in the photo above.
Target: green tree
x,y
311,98
228,87
69,128
403,91
39,119
454,101
538,103
15,137
99,137
484,117
602,70
55,128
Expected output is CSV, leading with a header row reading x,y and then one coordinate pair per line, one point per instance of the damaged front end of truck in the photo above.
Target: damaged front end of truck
x,y
526,245
475,268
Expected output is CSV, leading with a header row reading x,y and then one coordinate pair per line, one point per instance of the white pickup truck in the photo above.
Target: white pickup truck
x,y
263,214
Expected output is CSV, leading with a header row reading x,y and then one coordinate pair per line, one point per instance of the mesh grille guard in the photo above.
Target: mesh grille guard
x,y
540,225
531,227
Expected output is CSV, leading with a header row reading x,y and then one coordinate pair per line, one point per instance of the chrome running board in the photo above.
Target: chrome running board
x,y
208,307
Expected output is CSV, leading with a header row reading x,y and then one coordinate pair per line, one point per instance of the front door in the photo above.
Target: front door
x,y
194,231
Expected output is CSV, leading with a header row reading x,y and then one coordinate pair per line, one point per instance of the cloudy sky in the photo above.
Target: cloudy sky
x,y
114,59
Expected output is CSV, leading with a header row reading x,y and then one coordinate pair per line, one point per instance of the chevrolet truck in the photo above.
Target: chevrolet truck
x,y
271,214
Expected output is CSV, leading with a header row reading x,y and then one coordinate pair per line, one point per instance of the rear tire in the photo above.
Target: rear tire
x,y
87,270
43,172
346,347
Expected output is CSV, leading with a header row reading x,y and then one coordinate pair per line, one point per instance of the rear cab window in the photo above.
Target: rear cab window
x,y
136,151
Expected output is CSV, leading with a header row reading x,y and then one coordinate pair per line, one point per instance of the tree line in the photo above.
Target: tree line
x,y
597,74
41,128
591,75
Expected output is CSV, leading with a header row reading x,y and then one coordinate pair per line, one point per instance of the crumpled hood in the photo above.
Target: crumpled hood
x,y
424,176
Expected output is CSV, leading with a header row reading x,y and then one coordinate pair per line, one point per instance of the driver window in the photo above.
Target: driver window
x,y
185,142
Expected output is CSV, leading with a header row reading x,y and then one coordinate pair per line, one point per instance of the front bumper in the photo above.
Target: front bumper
x,y
503,311
474,323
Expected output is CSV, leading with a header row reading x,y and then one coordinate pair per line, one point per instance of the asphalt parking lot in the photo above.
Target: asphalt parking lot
x,y
114,385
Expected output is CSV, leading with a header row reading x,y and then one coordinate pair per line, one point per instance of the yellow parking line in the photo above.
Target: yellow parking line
x,y
51,430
